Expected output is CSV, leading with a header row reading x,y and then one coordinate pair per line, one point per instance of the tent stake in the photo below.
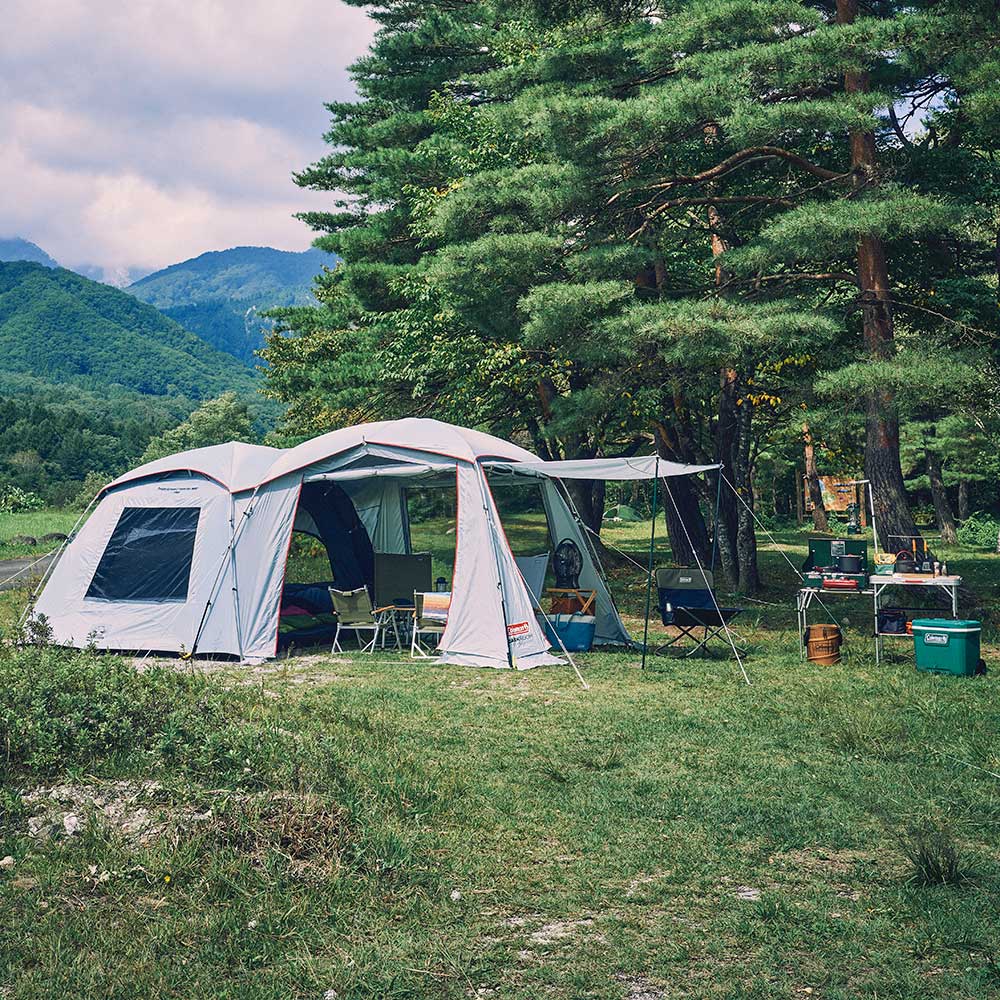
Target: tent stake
x,y
649,577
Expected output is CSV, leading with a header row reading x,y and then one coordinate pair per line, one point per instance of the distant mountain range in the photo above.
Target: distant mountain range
x,y
60,327
221,295
17,248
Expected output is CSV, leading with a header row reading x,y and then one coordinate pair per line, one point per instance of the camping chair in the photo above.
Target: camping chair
x,y
398,575
687,601
354,611
430,617
533,569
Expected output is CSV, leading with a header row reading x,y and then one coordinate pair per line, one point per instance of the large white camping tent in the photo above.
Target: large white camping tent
x,y
188,553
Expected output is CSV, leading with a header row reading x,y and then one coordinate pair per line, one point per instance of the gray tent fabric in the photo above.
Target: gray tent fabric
x,y
533,569
617,469
219,587
248,499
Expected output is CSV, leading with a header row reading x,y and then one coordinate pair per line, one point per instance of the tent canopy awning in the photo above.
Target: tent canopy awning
x,y
642,467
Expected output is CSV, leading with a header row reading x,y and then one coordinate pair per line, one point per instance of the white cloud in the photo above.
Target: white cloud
x,y
140,134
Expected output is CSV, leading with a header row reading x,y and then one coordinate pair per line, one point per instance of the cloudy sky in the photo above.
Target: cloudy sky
x,y
140,133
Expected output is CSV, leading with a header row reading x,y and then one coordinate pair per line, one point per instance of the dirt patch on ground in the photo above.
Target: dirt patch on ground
x,y
314,669
301,828
824,860
559,930
850,872
139,811
639,988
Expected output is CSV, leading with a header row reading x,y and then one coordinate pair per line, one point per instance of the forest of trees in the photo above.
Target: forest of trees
x,y
729,230
63,328
90,378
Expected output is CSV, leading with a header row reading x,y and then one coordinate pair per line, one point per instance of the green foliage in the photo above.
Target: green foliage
x,y
603,226
60,327
223,295
215,422
92,484
83,711
51,441
980,531
14,500
89,375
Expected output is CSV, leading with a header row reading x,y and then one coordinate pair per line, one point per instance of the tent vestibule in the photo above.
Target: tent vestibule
x,y
188,553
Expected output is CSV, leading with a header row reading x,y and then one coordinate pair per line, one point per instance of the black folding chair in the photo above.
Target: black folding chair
x,y
687,602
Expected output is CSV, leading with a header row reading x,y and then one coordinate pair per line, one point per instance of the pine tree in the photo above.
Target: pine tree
x,y
606,225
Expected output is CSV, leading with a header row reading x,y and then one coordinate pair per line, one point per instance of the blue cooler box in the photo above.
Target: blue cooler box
x,y
576,631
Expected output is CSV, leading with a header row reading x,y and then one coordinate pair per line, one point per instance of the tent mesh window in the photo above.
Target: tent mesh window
x,y
148,557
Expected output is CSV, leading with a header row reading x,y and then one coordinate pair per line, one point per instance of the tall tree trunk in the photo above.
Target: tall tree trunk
x,y
725,452
820,522
588,497
942,508
800,504
685,524
963,500
746,536
882,465
737,540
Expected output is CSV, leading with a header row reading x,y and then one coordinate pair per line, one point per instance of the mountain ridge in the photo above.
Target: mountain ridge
x,y
64,328
222,294
18,248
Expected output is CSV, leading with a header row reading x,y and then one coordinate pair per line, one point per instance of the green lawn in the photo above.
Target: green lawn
x,y
33,524
370,827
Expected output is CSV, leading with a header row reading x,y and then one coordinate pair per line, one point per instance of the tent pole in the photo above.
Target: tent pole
x,y
244,517
715,516
649,576
537,605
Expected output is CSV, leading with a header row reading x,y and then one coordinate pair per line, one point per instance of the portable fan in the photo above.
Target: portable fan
x,y
567,563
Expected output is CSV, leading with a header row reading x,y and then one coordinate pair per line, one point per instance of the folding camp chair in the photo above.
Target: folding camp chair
x,y
687,602
533,569
430,617
354,612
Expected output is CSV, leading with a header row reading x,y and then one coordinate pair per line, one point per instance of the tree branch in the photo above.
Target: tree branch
x,y
740,159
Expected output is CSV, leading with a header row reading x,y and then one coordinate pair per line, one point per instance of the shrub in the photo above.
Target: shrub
x,y
64,709
14,500
89,489
979,531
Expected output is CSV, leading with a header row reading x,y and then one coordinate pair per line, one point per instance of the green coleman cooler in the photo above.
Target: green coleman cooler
x,y
946,646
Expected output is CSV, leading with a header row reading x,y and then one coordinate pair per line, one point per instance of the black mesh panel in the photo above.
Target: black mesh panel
x,y
148,557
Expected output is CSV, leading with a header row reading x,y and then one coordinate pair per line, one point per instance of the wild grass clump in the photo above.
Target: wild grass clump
x,y
932,851
301,828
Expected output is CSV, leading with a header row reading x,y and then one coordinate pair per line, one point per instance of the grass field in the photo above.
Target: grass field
x,y
342,828
33,524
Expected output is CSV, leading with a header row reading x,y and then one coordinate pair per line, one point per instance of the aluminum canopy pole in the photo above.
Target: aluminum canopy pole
x,y
649,578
